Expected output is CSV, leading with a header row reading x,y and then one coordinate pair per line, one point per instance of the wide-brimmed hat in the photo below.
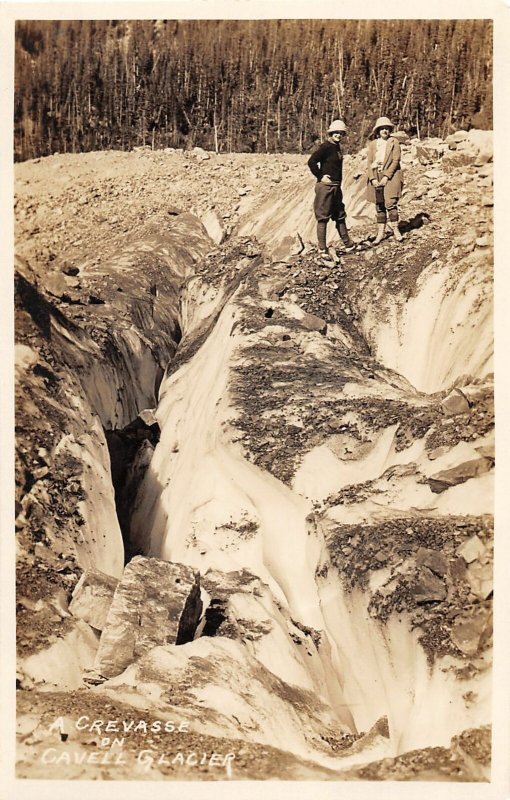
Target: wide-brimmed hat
x,y
337,126
382,122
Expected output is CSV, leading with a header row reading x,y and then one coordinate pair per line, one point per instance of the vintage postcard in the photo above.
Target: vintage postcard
x,y
255,538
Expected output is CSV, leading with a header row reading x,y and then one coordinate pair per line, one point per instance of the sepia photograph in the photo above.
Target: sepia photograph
x,y
252,289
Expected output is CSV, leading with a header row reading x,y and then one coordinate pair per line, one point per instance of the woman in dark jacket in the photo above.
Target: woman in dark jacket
x,y
384,177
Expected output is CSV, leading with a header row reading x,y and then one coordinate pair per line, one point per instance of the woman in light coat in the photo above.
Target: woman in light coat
x,y
384,177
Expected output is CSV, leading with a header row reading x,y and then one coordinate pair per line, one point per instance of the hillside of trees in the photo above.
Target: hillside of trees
x,y
253,85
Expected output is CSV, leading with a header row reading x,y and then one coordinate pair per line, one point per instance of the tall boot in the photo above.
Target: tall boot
x,y
396,232
344,235
381,230
321,236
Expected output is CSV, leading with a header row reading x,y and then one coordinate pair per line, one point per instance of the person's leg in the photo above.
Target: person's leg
x,y
322,210
380,215
321,235
339,214
393,221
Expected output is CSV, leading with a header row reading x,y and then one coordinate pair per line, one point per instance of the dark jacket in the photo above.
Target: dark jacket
x,y
327,160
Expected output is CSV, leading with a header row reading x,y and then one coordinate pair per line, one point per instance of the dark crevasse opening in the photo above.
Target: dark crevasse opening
x,y
130,450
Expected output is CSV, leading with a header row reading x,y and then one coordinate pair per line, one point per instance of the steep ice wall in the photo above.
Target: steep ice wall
x,y
205,503
442,332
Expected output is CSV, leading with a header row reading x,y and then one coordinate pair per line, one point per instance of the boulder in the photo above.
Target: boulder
x,y
459,474
92,598
455,403
201,154
459,158
456,138
401,136
466,633
313,323
433,559
427,587
480,580
471,549
483,142
156,603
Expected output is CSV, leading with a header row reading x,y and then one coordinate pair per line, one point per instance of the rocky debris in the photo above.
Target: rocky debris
x,y
461,473
466,760
415,553
154,603
147,732
92,598
474,747
107,201
288,247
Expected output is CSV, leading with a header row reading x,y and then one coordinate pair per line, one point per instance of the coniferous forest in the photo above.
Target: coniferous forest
x,y
249,86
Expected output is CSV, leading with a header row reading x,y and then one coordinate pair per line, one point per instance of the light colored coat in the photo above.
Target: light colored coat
x,y
390,167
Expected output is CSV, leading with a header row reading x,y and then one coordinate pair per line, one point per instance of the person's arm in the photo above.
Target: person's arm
x,y
371,173
314,162
394,162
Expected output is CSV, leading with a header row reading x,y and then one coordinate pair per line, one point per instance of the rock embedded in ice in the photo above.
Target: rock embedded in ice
x,y
432,559
472,549
459,474
455,403
156,602
466,634
427,587
92,598
314,323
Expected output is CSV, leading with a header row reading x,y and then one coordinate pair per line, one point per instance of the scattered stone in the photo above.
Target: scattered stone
x,y
426,154
487,451
467,633
401,136
427,587
456,138
433,559
471,549
156,602
437,452
201,154
480,579
56,284
459,474
313,323
70,269
455,403
92,598
483,241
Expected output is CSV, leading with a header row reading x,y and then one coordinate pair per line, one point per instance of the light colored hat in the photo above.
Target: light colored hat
x,y
382,122
337,126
